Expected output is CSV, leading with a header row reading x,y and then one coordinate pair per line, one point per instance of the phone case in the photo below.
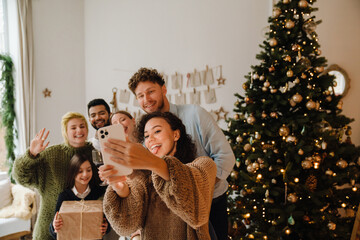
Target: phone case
x,y
117,132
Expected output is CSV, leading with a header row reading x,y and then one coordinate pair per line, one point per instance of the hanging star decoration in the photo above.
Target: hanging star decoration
x,y
221,81
47,93
221,113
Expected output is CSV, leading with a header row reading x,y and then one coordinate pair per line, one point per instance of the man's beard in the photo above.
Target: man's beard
x,y
106,124
160,107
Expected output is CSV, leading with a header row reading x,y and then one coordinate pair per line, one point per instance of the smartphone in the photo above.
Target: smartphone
x,y
117,132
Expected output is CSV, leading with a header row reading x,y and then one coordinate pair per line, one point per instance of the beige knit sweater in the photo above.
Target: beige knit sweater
x,y
177,209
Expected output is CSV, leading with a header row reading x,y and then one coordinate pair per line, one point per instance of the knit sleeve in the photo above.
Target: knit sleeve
x,y
27,169
189,191
126,215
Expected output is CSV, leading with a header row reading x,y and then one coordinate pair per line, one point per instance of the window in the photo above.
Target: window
x,y
3,49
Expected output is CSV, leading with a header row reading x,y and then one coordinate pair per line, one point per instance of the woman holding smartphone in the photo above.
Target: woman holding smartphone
x,y
169,194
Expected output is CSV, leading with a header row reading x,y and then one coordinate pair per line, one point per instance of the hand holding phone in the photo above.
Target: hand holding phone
x,y
116,132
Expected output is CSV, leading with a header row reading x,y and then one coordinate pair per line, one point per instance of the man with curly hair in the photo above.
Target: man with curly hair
x,y
150,91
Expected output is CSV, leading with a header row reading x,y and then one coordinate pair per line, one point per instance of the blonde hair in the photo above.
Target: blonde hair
x,y
64,121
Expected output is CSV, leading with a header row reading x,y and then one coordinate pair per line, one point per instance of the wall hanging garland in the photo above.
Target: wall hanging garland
x,y
7,110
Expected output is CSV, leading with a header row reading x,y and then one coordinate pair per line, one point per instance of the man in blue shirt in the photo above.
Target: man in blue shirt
x,y
150,91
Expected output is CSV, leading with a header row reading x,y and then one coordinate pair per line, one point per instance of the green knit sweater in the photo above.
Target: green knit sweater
x,y
46,173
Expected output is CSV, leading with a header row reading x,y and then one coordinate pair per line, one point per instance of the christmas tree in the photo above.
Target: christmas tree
x,y
296,171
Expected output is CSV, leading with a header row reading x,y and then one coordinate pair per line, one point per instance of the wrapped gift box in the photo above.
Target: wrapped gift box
x,y
81,220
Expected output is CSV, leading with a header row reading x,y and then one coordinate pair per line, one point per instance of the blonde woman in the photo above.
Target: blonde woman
x,y
45,168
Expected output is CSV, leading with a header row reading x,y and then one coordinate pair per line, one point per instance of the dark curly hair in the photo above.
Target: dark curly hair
x,y
74,167
143,75
96,102
185,148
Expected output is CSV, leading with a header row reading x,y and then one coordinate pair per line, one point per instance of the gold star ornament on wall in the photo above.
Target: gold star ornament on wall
x,y
47,93
221,113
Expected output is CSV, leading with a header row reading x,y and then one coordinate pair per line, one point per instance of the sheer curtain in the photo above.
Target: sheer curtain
x,y
25,102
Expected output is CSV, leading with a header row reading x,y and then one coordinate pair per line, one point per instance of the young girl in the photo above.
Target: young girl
x,y
169,197
81,183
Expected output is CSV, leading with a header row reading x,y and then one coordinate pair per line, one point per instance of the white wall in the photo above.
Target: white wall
x,y
94,46
59,62
171,36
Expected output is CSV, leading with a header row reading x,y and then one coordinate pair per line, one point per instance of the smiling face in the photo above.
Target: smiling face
x,y
125,121
152,97
160,139
98,116
84,175
76,132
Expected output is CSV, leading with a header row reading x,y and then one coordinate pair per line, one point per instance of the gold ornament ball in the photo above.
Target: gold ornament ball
x,y
328,98
332,226
234,174
287,58
300,152
247,147
292,197
297,80
342,163
340,105
245,86
273,42
297,98
264,89
284,130
292,103
236,116
306,164
262,78
271,69
291,138
303,3
250,119
329,172
239,139
248,100
310,105
276,12
286,1
319,69
250,168
290,73
289,24
256,76
348,132
303,75
266,83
